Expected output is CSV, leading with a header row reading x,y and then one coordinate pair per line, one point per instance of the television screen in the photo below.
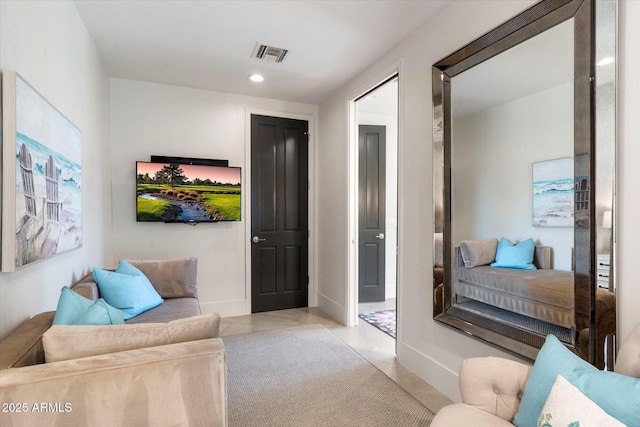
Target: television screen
x,y
174,192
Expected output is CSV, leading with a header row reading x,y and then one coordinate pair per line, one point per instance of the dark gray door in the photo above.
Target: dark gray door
x,y
279,219
372,161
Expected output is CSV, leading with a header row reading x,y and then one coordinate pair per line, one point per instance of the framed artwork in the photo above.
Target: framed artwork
x,y
41,177
553,192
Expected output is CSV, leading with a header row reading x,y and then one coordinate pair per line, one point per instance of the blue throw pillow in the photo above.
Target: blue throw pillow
x,y
617,394
74,309
125,268
518,256
131,293
70,306
100,313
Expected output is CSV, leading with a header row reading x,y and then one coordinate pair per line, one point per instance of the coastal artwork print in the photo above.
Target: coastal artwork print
x,y
553,190
42,174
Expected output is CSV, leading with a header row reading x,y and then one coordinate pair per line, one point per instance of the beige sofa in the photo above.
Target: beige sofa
x,y
491,387
178,383
174,279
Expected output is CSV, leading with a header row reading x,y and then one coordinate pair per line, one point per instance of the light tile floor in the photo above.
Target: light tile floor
x,y
373,344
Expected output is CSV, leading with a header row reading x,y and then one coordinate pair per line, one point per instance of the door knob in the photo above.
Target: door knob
x,y
257,239
380,236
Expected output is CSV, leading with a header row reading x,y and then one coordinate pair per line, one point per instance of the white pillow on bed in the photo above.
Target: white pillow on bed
x,y
478,252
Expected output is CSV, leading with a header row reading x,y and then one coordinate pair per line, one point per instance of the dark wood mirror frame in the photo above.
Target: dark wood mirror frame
x,y
533,21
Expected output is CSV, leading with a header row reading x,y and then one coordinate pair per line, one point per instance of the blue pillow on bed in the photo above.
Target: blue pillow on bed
x,y
518,256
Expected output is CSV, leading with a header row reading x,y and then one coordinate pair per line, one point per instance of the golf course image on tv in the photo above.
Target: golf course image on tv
x,y
173,192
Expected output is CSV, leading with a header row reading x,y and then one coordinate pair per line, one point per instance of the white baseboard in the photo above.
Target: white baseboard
x,y
443,379
225,308
332,308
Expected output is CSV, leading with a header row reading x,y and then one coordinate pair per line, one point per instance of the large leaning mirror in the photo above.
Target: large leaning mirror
x,y
524,166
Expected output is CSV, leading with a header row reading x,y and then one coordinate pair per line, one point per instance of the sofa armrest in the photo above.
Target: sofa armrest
x,y
23,346
493,384
176,384
542,257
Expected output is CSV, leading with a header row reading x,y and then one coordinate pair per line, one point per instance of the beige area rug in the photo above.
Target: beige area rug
x,y
306,376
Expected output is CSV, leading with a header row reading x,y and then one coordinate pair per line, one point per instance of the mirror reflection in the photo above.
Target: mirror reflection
x,y
524,179
512,185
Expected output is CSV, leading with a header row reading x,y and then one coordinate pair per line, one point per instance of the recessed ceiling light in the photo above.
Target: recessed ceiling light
x,y
256,78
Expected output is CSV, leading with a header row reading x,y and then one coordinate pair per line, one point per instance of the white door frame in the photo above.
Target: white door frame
x,y
351,297
246,188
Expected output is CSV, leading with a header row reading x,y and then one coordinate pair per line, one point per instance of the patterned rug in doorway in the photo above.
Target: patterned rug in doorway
x,y
383,320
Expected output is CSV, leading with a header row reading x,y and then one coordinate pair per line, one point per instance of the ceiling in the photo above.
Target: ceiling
x,y
209,44
538,64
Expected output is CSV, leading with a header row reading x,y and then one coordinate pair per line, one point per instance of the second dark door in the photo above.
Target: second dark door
x,y
372,196
279,213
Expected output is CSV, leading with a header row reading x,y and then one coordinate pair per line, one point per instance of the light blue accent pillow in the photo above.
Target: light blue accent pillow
x,y
518,256
131,293
125,268
616,394
100,313
74,309
70,306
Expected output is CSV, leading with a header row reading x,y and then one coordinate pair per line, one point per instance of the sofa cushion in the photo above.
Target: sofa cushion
x,y
478,252
87,287
74,309
518,256
127,289
172,278
567,406
555,359
170,309
63,342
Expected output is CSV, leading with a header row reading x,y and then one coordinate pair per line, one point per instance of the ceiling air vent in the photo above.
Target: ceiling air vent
x,y
269,53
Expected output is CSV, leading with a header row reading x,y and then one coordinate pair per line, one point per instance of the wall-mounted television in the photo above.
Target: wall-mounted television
x,y
188,193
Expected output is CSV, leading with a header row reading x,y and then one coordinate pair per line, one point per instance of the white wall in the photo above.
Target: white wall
x,y
154,119
48,45
492,169
430,349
